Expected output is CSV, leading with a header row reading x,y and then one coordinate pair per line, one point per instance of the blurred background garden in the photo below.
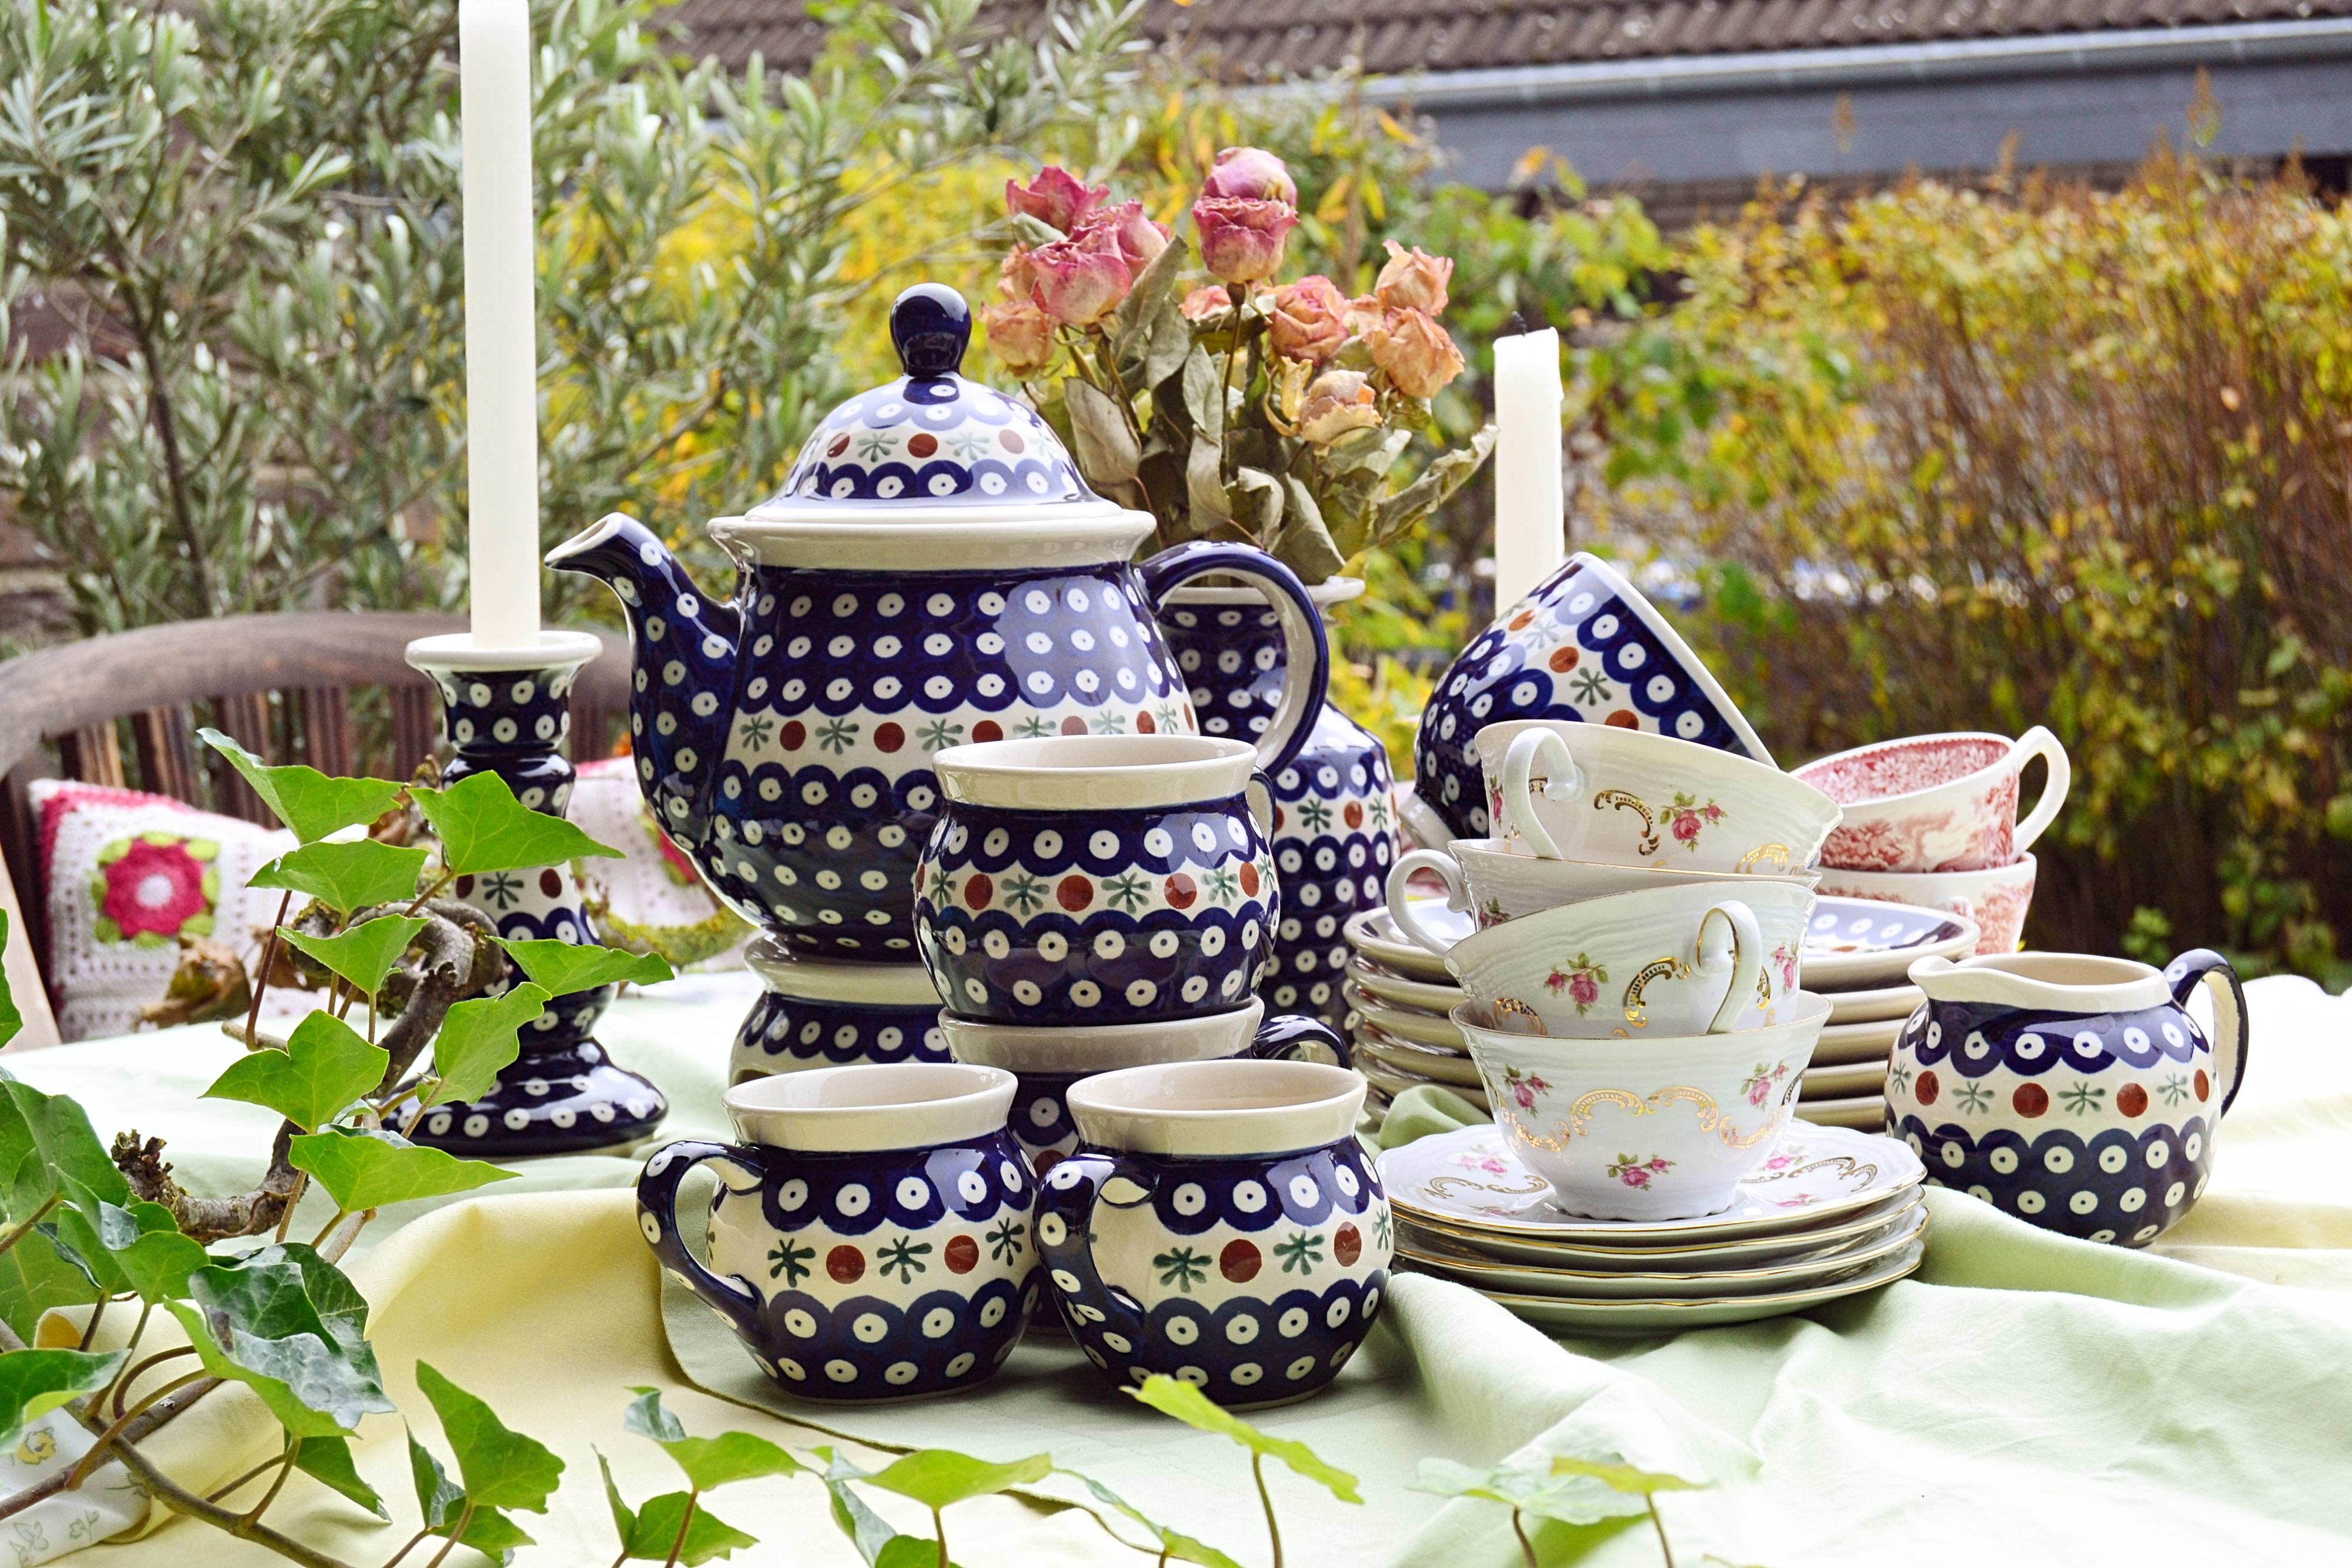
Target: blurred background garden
x,y
1957,454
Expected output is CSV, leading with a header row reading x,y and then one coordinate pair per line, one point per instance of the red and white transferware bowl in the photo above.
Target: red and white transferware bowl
x,y
1937,802
1996,898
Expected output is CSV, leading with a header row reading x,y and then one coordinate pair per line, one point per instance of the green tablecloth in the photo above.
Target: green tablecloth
x,y
2024,1399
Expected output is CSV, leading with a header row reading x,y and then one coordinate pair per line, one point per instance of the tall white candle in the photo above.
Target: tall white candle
x,y
501,340
1530,529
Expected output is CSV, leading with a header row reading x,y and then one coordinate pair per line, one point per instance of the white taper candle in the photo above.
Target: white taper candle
x,y
501,340
1530,528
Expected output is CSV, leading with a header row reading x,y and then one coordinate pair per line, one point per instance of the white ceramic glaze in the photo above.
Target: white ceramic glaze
x,y
1488,882
1937,802
820,979
1215,1108
1598,792
848,1110
1658,1128
1095,772
1664,961
1739,1252
1101,1048
1996,898
1672,1316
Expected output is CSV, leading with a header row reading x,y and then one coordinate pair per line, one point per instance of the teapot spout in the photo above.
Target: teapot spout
x,y
684,646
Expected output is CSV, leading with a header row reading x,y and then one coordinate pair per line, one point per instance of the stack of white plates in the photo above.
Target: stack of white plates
x,y
1856,952
1832,1213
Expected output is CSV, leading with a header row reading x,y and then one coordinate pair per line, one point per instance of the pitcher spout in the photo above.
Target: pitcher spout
x,y
684,645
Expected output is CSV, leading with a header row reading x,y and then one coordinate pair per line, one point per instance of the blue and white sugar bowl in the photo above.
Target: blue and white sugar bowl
x,y
871,1239
1220,1223
2073,1091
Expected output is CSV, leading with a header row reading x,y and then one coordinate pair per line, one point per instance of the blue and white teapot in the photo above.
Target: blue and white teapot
x,y
933,573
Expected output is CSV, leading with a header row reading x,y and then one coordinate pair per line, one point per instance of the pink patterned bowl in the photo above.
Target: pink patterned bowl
x,y
1996,898
1936,802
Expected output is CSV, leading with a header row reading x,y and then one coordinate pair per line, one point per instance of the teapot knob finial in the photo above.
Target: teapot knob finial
x,y
931,327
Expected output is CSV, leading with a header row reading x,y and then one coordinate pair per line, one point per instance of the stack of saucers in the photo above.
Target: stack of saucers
x,y
1855,953
1832,1213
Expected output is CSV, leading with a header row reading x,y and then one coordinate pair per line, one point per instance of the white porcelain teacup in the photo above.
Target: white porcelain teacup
x,y
1938,802
1697,958
1483,879
1646,1129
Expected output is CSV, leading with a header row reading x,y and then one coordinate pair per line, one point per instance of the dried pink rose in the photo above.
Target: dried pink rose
x,y
1414,352
1308,319
1081,279
1016,279
1250,175
1363,313
1139,239
1205,303
1021,335
1414,279
1055,196
1242,240
1336,402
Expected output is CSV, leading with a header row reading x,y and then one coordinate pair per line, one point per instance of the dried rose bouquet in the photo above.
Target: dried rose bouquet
x,y
1243,408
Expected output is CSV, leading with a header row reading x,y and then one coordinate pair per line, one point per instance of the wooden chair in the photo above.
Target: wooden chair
x,y
327,689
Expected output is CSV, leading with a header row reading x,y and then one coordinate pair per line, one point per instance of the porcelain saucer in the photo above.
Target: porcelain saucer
x,y
1739,1252
1864,1112
1450,1068
1850,943
1374,935
1397,991
1666,1317
1895,1002
1407,1023
1843,1082
1844,1044
1393,1081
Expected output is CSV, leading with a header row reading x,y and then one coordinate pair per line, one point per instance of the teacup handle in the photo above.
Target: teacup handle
x,y
2232,1023
1399,893
658,1186
1748,959
2039,742
1066,1215
1528,748
1294,1036
1306,655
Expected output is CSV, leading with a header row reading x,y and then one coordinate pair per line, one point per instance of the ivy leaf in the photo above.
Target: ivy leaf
x,y
1571,1499
868,1531
708,1462
652,1532
1611,1471
48,1147
329,1461
33,1278
563,967
325,1066
346,876
441,1500
287,1324
500,1466
1172,1396
363,1168
908,1551
1172,1543
11,1020
479,1039
483,828
365,954
939,1477
306,800
35,1382
135,1249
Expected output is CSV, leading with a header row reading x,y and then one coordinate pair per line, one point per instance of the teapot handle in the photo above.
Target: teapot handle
x,y
658,1188
1306,655
2232,1023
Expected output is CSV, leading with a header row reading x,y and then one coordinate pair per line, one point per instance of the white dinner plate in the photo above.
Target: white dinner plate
x,y
1739,1252
1843,1082
1661,1317
1398,991
1846,1044
1407,1023
1864,1112
1850,943
1392,1082
1618,1284
1469,1179
1446,1067
1896,1002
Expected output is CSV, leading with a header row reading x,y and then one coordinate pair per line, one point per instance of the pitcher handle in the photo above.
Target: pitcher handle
x,y
658,1186
1400,899
1564,783
1306,655
2039,742
2203,965
1748,959
1294,1036
1065,1224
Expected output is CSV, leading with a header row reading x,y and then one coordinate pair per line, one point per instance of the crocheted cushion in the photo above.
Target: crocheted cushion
x,y
126,875
651,901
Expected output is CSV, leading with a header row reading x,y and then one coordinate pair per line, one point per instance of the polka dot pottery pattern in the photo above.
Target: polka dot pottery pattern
x,y
1252,1276
785,1034
855,1277
1333,830
1097,916
563,1092
2097,1123
1584,645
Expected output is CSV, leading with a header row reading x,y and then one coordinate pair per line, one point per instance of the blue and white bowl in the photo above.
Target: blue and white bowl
x,y
1584,646
1097,879
818,1014
1219,1224
871,1240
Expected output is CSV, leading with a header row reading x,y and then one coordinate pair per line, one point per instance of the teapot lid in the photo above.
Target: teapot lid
x,y
931,439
